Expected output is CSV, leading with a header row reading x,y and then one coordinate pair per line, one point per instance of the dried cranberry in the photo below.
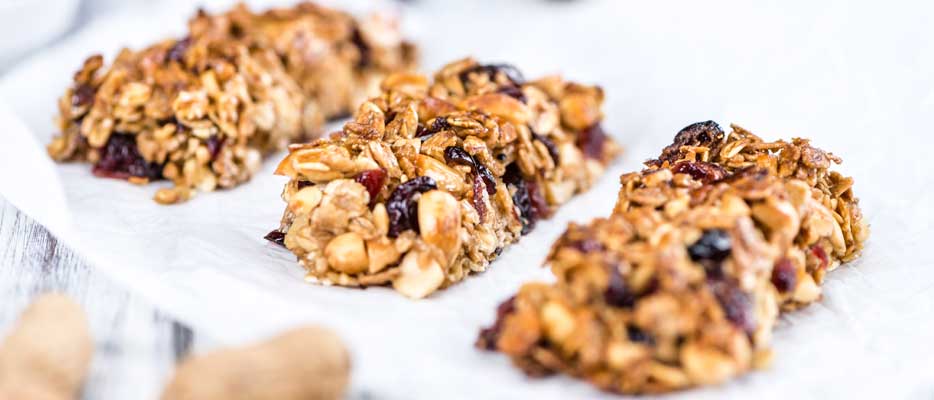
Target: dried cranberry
x,y
214,144
457,155
591,141
637,335
276,237
540,206
121,159
389,116
587,246
617,292
178,50
711,249
706,133
373,181
357,39
402,207
784,275
527,198
83,95
752,173
512,73
736,304
821,255
514,92
550,145
489,336
699,170
437,125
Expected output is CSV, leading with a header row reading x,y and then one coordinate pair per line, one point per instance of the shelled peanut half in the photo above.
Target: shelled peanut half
x,y
433,178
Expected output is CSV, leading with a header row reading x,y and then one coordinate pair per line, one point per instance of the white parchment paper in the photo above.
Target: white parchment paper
x,y
856,78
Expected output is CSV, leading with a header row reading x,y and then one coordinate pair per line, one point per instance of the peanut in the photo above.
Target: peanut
x,y
302,364
48,353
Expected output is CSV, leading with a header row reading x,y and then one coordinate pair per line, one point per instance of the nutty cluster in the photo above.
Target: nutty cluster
x,y
433,179
682,285
204,110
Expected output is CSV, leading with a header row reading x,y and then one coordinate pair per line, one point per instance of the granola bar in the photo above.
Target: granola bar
x,y
203,111
826,225
336,59
433,179
199,112
681,286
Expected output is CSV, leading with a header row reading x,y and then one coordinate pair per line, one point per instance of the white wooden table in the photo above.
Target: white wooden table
x,y
136,345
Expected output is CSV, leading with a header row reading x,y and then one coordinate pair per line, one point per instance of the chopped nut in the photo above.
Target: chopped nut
x,y
421,275
439,219
347,253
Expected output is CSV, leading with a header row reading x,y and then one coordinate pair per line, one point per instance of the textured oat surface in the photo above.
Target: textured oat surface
x,y
434,178
682,284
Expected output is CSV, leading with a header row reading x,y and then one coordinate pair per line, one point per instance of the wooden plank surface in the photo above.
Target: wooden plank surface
x,y
137,346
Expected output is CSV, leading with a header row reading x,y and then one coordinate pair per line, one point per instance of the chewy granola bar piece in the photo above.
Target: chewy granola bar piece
x,y
204,110
199,112
336,59
433,179
654,299
825,226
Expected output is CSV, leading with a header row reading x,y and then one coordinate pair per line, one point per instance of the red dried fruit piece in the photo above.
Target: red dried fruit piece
x,y
510,72
83,95
357,39
821,255
459,156
637,335
706,133
514,92
587,246
477,201
489,336
526,198
437,125
402,207
700,170
736,304
121,159
710,250
214,145
618,293
550,145
178,50
276,237
591,141
784,275
373,181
